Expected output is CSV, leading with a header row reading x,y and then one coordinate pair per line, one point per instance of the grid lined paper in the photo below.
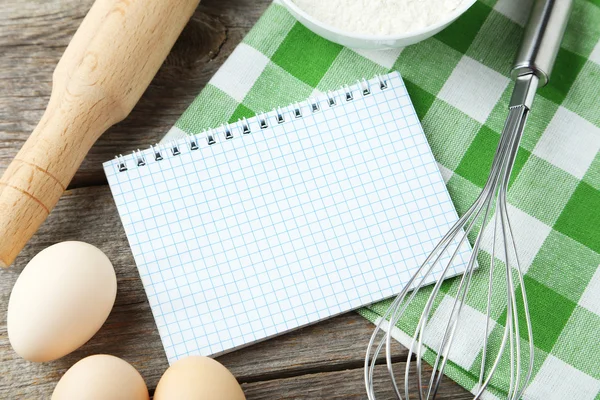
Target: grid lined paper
x,y
285,225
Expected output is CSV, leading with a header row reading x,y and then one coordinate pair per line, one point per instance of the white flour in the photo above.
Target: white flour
x,y
378,17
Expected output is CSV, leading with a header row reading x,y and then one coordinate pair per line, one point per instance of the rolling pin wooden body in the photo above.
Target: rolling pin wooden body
x,y
108,64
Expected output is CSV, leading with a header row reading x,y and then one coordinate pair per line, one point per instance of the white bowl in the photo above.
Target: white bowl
x,y
363,41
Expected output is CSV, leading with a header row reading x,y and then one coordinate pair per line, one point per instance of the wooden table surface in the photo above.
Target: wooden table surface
x,y
321,361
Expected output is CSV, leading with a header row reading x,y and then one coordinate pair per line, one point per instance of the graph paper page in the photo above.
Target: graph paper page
x,y
286,225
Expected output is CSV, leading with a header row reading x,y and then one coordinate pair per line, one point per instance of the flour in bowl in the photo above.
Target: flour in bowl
x,y
379,17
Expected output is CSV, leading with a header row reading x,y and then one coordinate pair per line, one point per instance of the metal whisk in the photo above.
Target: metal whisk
x,y
486,218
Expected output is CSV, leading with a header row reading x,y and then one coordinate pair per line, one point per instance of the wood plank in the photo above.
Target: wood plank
x,y
89,214
33,35
347,385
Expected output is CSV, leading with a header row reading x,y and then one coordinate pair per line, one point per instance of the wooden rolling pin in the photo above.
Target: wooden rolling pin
x,y
109,63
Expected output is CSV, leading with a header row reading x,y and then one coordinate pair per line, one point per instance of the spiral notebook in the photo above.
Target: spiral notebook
x,y
259,227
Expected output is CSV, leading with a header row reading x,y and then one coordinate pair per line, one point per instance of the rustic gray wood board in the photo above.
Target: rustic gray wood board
x,y
33,36
320,361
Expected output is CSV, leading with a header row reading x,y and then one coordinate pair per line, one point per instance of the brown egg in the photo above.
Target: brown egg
x,y
101,377
198,378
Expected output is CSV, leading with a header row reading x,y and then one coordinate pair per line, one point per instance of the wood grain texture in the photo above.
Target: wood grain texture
x,y
110,61
347,384
33,35
322,361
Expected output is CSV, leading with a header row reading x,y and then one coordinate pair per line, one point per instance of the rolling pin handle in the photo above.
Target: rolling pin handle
x,y
109,63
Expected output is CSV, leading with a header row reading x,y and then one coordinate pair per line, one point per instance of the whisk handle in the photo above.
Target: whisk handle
x,y
542,37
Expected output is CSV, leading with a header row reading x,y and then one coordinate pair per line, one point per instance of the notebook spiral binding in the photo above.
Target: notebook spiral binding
x,y
159,152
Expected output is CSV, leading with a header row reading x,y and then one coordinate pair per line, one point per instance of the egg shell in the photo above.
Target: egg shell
x,y
101,377
198,378
60,300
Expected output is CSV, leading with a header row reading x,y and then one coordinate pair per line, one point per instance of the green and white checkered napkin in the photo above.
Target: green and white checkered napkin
x,y
459,84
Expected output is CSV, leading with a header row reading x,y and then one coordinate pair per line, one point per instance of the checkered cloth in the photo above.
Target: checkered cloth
x,y
459,83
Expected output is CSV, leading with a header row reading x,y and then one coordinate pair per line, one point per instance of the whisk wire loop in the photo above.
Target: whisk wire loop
x,y
489,212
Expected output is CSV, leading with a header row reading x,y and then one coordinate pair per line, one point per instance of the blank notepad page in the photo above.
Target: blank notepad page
x,y
275,222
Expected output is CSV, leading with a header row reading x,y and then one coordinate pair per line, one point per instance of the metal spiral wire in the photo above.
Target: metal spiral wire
x,y
488,213
245,126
